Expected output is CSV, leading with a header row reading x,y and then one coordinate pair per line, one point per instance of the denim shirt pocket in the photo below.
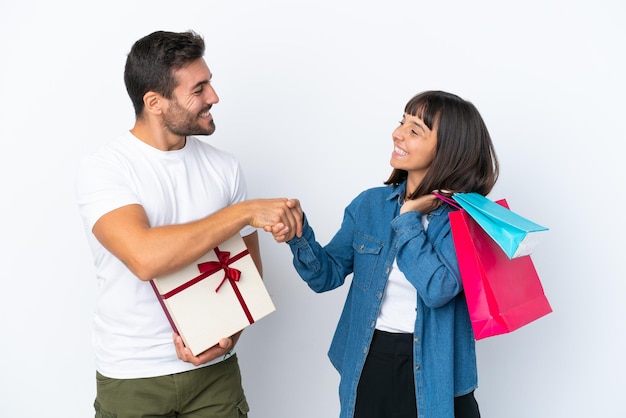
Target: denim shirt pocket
x,y
366,256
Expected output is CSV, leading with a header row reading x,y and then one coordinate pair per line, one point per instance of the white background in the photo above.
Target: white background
x,y
310,93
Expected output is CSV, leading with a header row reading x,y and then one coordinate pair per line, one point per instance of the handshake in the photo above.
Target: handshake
x,y
281,217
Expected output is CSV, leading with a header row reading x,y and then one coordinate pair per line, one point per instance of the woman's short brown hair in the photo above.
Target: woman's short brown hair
x,y
465,159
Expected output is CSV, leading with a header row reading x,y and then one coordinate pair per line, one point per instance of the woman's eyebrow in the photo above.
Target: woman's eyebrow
x,y
419,125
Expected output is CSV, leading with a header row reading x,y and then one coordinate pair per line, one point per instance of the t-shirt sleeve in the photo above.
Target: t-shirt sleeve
x,y
240,194
101,188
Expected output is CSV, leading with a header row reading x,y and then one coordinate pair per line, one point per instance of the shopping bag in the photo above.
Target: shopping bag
x,y
502,294
516,235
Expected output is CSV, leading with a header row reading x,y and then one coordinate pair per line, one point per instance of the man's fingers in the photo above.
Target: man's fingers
x,y
226,343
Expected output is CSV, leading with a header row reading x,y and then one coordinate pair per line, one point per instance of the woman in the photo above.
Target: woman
x,y
404,344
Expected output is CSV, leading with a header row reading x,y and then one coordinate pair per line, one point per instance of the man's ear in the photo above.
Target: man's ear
x,y
153,102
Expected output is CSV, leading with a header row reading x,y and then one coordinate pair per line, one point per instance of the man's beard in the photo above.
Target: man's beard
x,y
181,122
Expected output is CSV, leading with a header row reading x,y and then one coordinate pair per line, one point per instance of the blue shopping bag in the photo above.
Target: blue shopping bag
x,y
516,235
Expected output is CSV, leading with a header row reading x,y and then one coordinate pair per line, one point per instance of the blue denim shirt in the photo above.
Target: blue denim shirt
x,y
372,235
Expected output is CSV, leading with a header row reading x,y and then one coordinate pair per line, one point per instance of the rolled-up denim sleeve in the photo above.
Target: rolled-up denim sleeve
x,y
428,260
322,268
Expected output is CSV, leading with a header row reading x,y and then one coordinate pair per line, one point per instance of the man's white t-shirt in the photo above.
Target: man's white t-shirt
x,y
132,337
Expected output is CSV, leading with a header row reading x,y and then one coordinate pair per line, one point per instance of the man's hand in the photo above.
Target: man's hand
x,y
284,232
220,349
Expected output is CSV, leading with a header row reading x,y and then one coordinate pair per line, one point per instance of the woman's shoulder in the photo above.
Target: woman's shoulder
x,y
374,196
384,191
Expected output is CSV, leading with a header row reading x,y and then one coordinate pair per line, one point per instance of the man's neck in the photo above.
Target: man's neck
x,y
157,137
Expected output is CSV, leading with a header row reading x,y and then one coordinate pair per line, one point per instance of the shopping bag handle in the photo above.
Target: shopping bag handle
x,y
450,201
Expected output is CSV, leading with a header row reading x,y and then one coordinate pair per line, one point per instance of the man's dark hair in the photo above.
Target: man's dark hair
x,y
152,61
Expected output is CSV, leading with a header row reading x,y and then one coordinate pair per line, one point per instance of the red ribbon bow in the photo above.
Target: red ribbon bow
x,y
210,267
224,260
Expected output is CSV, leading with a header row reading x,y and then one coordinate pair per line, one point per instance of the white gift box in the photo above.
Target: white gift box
x,y
215,297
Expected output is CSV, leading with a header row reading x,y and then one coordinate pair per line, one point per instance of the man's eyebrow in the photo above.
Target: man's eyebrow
x,y
203,82
200,84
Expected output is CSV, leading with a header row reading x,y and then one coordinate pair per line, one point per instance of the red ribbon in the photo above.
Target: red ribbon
x,y
231,274
223,258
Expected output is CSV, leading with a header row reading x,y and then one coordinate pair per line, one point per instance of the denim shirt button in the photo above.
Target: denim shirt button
x,y
373,324
417,367
416,339
379,295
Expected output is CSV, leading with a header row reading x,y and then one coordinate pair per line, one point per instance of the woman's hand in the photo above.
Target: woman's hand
x,y
283,233
423,204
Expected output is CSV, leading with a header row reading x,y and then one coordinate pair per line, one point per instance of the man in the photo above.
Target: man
x,y
152,202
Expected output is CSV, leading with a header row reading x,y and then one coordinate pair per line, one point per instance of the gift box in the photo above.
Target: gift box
x,y
215,297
